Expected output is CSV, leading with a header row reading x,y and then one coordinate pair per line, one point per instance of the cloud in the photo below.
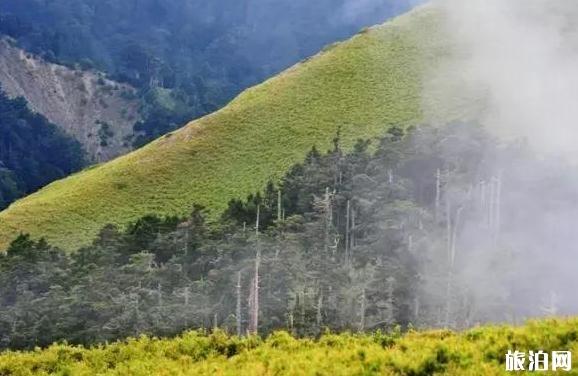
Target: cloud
x,y
524,55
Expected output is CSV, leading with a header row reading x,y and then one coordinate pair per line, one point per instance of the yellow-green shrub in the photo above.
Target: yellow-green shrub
x,y
479,351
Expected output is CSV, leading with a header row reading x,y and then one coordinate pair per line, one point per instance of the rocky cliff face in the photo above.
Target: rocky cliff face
x,y
98,112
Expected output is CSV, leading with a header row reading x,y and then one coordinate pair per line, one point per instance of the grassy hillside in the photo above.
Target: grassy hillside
x,y
479,351
363,85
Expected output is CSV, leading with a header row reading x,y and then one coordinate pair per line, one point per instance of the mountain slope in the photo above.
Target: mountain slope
x,y
206,51
361,86
94,110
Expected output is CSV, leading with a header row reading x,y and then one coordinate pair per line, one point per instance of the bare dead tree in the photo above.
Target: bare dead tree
x,y
159,295
254,306
319,307
353,228
483,201
302,306
438,193
390,302
328,214
455,235
449,296
291,321
257,221
279,206
452,240
325,207
187,292
449,242
551,306
416,308
448,227
492,203
185,227
347,230
238,308
498,208
362,311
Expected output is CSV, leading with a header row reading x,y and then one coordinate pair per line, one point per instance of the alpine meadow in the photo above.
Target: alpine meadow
x,y
201,188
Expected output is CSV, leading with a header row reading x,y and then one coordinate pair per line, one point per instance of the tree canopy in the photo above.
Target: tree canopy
x,y
380,237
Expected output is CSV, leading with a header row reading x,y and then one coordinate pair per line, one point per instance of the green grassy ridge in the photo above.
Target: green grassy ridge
x,y
478,351
363,86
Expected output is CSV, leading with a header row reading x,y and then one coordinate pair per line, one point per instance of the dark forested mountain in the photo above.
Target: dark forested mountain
x,y
188,57
33,151
98,112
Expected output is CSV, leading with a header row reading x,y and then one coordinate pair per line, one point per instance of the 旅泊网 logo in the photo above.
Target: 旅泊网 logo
x,y
538,361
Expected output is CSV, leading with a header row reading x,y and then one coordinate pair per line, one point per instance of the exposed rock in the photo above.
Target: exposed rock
x,y
98,112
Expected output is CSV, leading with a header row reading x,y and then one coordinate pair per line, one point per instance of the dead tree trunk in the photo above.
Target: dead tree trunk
x,y
279,206
238,310
362,312
328,217
416,310
449,296
291,320
347,231
352,229
498,209
319,307
491,206
254,303
390,303
160,295
551,307
302,307
483,201
254,322
257,266
452,237
448,228
438,193
257,221
187,240
449,237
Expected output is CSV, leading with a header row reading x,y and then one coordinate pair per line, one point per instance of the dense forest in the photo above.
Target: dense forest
x,y
187,57
33,152
413,230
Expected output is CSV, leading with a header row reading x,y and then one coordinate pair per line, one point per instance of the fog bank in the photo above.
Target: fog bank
x,y
522,54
